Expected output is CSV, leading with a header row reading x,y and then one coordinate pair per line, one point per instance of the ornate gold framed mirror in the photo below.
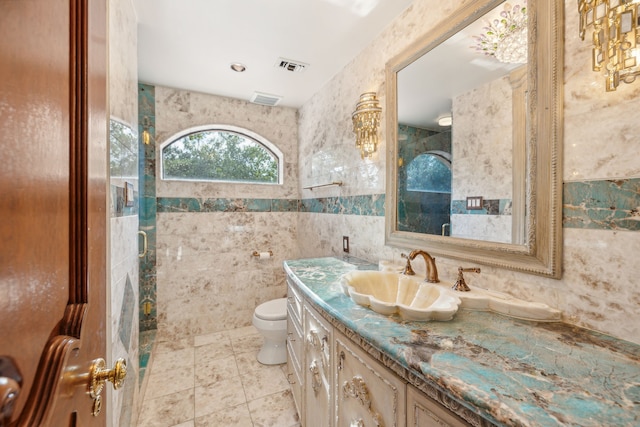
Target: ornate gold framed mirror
x,y
480,96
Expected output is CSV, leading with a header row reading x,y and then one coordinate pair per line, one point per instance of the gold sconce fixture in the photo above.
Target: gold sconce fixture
x,y
366,120
146,136
616,36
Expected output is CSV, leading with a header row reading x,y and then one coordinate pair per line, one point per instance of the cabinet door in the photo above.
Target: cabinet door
x,y
295,349
318,397
423,411
294,301
367,394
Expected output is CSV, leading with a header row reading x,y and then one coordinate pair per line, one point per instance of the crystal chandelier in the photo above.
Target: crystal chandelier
x,y
615,38
505,37
366,120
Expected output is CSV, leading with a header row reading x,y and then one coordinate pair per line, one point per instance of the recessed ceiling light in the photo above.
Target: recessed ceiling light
x,y
445,121
238,67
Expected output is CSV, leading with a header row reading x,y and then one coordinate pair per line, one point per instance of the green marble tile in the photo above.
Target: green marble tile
x,y
603,204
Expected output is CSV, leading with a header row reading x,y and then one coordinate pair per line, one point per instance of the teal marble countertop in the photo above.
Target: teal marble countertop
x,y
512,372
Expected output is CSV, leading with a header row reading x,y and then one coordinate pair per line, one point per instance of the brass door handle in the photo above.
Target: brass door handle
x,y
98,374
10,385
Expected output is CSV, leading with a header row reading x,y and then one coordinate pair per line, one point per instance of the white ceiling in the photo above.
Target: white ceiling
x,y
190,44
427,87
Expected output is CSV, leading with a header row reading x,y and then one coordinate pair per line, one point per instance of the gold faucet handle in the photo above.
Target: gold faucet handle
x,y
407,269
461,284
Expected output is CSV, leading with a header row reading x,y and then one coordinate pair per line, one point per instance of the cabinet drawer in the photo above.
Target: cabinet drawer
x,y
422,411
295,382
366,393
318,369
295,340
294,301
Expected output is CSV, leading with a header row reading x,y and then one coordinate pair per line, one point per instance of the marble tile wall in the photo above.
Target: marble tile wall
x,y
123,241
207,278
483,145
599,288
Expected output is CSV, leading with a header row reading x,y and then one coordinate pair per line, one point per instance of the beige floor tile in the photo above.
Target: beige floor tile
x,y
275,410
215,380
242,332
169,381
209,371
218,396
249,342
173,345
237,416
210,338
249,362
165,361
215,350
264,381
167,411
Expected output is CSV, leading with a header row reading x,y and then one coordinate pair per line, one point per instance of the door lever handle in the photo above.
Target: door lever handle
x,y
98,374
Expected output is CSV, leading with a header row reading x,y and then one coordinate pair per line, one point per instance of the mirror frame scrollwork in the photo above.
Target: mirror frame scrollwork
x,y
542,252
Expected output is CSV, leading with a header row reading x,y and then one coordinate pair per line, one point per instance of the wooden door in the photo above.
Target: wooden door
x,y
53,170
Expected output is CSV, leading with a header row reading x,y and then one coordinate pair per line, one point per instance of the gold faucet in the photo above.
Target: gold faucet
x,y
461,284
432,271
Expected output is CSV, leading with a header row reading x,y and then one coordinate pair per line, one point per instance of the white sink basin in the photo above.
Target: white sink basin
x,y
390,293
484,300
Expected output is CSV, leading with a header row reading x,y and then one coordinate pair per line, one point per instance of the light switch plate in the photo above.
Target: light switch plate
x,y
474,203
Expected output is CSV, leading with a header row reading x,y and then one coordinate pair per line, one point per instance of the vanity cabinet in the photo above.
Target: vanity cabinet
x,y
367,394
318,369
295,346
334,382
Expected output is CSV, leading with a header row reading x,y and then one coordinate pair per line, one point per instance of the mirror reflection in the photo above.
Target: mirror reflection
x,y
461,138
462,89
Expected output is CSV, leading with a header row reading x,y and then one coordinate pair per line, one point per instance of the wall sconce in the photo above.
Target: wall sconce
x,y
146,136
616,36
366,120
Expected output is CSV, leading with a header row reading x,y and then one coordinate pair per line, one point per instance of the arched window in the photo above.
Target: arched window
x,y
221,153
430,172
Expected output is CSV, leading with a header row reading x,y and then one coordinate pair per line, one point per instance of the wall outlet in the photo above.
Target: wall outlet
x,y
345,244
474,203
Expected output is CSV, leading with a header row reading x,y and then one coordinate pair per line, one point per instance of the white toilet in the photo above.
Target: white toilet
x,y
270,319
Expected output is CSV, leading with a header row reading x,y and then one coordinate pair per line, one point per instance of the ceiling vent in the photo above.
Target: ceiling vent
x,y
265,99
290,65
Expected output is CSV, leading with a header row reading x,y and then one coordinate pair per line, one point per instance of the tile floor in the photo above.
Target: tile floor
x,y
215,380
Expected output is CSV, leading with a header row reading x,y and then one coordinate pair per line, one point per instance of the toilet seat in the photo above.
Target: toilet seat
x,y
272,310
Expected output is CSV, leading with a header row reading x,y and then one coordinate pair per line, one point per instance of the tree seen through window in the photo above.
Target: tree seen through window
x,y
219,155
